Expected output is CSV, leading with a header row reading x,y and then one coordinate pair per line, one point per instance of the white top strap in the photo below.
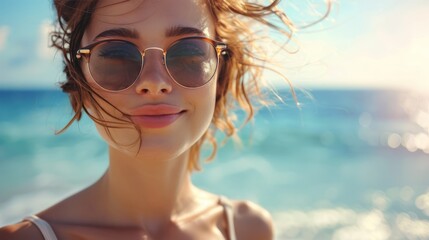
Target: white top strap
x,y
229,217
43,226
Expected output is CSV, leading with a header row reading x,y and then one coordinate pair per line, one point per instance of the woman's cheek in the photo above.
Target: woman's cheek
x,y
117,131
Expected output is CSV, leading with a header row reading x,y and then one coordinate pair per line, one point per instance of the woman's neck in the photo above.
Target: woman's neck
x,y
136,190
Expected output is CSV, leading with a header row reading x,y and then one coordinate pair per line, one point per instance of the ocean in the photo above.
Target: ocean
x,y
345,164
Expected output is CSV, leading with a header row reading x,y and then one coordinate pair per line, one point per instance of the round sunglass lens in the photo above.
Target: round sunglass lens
x,y
191,62
115,65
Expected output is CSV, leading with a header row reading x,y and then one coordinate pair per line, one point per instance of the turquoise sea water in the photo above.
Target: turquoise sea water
x,y
347,165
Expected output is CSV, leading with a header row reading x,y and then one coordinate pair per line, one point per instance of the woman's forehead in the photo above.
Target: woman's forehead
x,y
153,16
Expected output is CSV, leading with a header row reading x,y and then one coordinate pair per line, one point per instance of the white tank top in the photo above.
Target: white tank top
x,y
43,226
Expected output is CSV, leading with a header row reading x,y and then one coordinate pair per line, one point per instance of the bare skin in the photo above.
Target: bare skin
x,y
149,195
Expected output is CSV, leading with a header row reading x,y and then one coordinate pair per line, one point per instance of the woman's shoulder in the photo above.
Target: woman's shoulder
x,y
22,231
252,221
27,230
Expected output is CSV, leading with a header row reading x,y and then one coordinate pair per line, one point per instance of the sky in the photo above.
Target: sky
x,y
362,44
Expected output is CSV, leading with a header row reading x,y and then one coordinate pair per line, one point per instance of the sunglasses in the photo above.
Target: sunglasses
x,y
115,65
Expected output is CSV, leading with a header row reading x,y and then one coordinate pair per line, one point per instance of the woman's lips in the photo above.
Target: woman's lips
x,y
156,116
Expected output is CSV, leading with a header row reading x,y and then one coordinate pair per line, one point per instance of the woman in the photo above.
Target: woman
x,y
158,78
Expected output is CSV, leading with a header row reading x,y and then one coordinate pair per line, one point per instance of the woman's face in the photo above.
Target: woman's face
x,y
171,118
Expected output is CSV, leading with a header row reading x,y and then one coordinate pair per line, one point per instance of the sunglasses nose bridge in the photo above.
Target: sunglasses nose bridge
x,y
155,48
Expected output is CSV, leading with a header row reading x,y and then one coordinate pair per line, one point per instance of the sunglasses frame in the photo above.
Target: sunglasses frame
x,y
219,47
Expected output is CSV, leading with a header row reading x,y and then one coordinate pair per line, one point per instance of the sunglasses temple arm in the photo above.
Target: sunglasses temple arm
x,y
81,52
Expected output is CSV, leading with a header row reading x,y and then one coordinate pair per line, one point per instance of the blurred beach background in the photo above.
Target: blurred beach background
x,y
351,162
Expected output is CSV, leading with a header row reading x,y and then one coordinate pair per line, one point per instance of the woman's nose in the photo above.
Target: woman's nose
x,y
154,78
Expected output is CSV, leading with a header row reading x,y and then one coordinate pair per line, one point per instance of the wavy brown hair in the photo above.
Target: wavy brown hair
x,y
239,79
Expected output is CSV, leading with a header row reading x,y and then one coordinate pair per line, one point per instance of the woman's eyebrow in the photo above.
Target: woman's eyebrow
x,y
181,30
128,33
118,32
